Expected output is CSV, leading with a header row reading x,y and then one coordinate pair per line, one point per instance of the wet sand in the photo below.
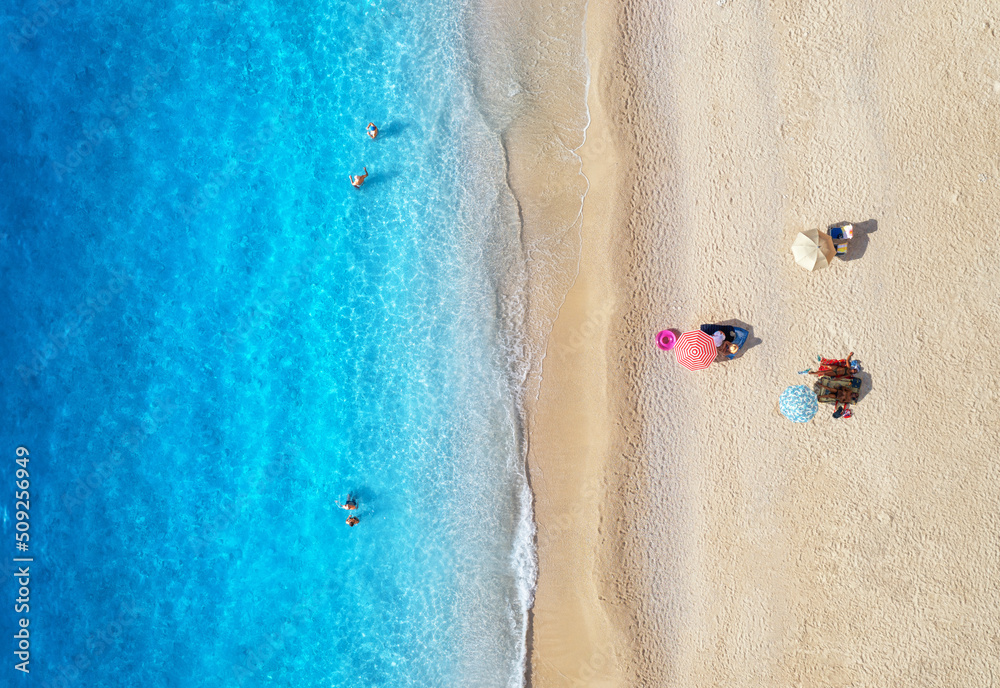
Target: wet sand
x,y
688,534
571,434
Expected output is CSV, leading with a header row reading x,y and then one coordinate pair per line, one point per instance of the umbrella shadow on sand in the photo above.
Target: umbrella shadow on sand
x,y
859,244
751,341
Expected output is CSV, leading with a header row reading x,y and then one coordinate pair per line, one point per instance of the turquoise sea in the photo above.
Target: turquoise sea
x,y
210,336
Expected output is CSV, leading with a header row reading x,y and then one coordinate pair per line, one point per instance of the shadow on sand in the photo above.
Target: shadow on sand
x,y
859,244
866,383
751,341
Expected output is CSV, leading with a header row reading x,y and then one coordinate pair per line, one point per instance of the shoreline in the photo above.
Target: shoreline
x,y
572,639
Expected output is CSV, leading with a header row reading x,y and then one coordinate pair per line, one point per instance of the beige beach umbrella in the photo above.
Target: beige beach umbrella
x,y
813,250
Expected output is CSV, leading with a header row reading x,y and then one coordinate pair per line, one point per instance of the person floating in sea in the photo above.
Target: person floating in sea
x,y
350,504
372,130
352,521
358,180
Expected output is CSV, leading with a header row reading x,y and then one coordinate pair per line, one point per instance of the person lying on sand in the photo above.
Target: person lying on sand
x,y
832,369
840,396
837,395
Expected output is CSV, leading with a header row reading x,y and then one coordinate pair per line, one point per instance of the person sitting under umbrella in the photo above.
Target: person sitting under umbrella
x,y
841,236
728,339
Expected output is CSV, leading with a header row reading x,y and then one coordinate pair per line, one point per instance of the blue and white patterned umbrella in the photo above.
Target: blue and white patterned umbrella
x,y
798,404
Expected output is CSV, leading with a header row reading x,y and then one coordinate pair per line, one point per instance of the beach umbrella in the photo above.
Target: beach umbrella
x,y
798,404
813,250
695,350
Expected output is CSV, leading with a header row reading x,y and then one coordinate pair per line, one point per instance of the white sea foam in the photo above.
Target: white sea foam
x,y
529,82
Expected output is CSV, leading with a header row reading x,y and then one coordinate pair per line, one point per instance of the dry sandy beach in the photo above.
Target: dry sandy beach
x,y
688,534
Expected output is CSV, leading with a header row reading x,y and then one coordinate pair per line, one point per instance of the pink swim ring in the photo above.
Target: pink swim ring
x,y
665,339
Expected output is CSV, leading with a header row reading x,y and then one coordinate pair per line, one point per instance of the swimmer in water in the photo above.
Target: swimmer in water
x,y
358,180
350,504
352,521
372,130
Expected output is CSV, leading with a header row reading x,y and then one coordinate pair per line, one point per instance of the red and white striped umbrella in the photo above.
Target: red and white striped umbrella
x,y
695,350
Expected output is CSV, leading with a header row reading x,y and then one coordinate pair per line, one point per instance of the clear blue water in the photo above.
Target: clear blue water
x,y
210,336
